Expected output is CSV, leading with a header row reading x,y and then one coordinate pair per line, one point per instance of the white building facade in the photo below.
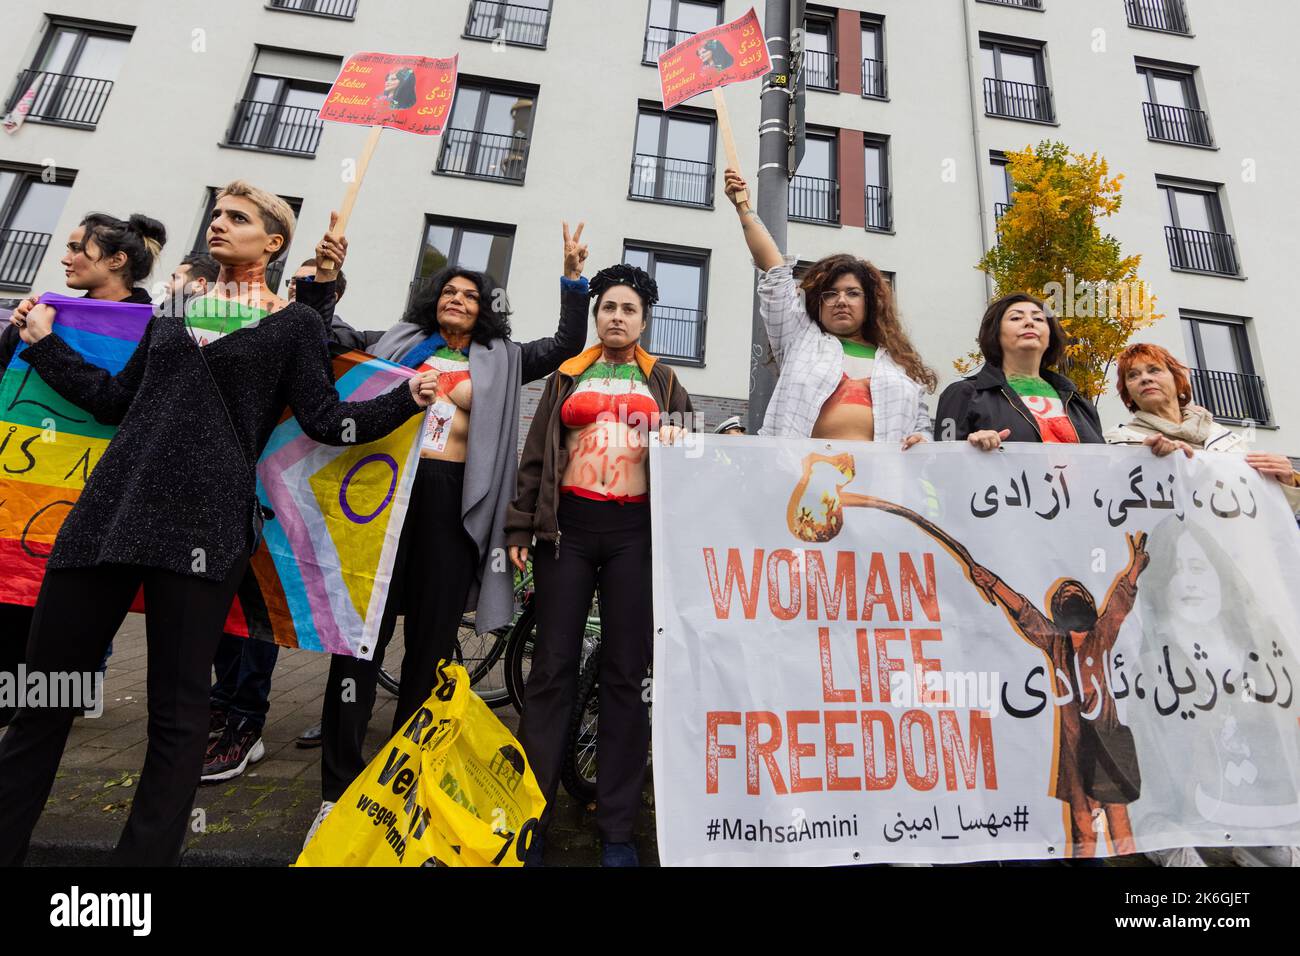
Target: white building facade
x,y
145,106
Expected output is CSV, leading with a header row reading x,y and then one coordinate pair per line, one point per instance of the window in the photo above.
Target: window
x,y
29,210
1000,187
274,269
1026,4
672,21
1195,230
1167,16
819,61
1015,80
520,22
873,57
73,73
675,329
278,113
481,246
880,207
673,162
488,135
1170,105
1222,368
815,188
339,9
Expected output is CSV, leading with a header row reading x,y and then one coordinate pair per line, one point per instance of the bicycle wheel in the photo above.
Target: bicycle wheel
x,y
578,774
518,659
479,654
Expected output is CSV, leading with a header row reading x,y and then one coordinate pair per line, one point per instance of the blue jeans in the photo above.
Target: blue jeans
x,y
243,667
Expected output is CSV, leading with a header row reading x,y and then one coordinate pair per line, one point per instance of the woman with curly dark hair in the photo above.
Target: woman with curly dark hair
x,y
848,369
584,477
450,558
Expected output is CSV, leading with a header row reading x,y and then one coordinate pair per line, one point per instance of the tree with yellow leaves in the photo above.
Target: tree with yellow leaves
x,y
1049,245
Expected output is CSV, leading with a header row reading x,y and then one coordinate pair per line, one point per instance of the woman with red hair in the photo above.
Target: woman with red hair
x,y
1155,386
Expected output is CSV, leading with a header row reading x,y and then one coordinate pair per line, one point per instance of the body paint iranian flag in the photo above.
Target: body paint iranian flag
x,y
1046,405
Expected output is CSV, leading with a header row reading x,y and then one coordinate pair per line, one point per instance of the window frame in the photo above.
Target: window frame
x,y
876,22
825,17
546,32
690,255
459,225
84,29
489,86
1243,347
833,135
671,26
25,176
684,114
883,142
1037,51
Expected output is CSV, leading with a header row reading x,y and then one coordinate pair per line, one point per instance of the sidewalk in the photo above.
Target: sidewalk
x,y
258,819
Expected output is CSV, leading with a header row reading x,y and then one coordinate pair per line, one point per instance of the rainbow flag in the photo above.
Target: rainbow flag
x,y
48,445
325,565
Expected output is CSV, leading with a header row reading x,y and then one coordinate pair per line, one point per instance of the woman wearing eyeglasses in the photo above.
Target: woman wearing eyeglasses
x,y
848,369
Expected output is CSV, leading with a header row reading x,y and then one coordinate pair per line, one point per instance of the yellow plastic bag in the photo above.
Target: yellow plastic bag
x,y
451,789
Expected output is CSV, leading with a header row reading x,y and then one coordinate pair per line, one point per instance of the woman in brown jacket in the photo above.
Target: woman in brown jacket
x,y
583,483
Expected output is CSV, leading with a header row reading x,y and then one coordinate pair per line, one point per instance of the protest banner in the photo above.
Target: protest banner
x,y
48,445
941,655
410,93
731,53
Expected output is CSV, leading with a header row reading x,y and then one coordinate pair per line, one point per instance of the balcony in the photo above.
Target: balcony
x,y
510,22
336,9
665,179
659,40
873,78
1167,16
496,156
880,209
1199,251
676,334
273,128
1230,395
62,98
820,70
1022,101
20,256
815,200
1174,124
1027,4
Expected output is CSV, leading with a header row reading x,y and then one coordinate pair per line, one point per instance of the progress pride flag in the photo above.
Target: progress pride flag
x,y
410,93
731,53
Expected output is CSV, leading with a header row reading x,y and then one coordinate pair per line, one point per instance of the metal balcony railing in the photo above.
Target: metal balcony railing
x,y
676,333
510,22
1202,251
815,200
1030,4
999,209
1175,124
820,70
1167,15
275,128
659,40
873,78
339,9
62,97
21,252
666,179
880,208
468,152
1026,101
1230,394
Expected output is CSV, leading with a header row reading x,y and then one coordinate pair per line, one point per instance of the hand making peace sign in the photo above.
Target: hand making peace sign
x,y
575,252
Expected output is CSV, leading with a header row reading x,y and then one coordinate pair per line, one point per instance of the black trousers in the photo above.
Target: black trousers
x,y
15,628
77,613
243,668
437,563
606,544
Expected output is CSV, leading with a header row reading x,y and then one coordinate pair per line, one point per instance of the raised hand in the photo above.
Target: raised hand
x,y
1138,556
734,185
330,252
575,252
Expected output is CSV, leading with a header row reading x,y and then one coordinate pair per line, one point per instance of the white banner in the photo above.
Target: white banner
x,y
865,655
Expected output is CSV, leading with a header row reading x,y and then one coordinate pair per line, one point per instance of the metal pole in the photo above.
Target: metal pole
x,y
773,189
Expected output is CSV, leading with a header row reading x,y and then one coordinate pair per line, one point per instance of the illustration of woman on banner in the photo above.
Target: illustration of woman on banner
x,y
715,56
399,90
1214,699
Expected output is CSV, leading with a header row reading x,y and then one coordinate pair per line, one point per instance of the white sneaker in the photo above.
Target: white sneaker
x,y
1178,856
324,811
1266,855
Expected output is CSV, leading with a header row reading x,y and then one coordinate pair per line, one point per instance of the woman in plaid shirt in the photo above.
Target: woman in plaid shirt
x,y
848,370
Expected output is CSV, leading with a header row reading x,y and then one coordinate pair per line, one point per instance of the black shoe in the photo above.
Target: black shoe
x,y
232,753
217,720
309,737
